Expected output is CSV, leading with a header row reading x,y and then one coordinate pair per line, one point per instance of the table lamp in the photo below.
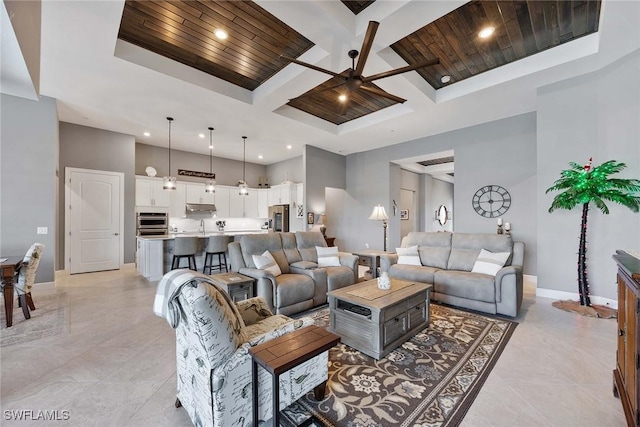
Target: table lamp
x,y
323,224
379,214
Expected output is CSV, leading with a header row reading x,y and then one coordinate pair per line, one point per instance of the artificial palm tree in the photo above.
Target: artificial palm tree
x,y
583,185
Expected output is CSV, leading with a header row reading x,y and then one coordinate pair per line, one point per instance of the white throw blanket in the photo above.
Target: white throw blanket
x,y
169,287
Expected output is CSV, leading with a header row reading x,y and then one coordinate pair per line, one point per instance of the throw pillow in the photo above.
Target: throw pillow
x,y
328,257
408,256
267,262
490,262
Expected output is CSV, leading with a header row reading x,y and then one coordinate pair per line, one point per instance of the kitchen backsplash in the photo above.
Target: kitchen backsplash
x,y
232,224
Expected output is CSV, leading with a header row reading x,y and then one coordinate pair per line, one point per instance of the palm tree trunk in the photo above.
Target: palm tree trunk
x,y
583,282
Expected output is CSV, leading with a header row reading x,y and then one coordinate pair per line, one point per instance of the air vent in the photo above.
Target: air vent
x,y
439,161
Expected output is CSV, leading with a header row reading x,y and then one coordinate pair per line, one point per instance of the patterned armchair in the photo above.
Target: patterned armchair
x,y
213,336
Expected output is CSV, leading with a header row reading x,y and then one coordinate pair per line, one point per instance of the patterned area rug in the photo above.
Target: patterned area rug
x,y
49,318
431,380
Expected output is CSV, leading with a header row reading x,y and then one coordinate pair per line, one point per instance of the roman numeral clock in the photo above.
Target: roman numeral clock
x,y
491,201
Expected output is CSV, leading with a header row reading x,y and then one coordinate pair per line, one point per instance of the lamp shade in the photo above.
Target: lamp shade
x,y
323,219
379,214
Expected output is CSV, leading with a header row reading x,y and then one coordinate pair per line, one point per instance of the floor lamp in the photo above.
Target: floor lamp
x,y
379,214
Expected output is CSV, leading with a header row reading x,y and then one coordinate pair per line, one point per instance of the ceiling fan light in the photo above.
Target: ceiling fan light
x,y
221,34
342,97
486,32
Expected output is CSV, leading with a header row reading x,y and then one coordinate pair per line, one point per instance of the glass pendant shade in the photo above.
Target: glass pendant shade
x,y
242,185
210,185
169,182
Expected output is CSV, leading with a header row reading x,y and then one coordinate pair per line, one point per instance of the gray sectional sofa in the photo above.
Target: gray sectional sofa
x,y
302,284
447,260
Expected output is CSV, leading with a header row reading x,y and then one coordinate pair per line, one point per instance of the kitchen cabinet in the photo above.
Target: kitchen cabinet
x,y
222,201
177,201
196,194
626,378
149,192
263,202
244,206
280,194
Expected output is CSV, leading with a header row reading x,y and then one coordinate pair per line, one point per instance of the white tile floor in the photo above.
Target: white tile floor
x,y
116,367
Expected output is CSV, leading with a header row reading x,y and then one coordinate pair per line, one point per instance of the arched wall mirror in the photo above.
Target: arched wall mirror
x,y
443,214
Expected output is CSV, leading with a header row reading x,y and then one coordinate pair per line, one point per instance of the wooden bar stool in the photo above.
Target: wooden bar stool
x,y
185,247
217,245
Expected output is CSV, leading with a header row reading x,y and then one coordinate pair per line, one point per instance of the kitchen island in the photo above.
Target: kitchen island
x,y
155,253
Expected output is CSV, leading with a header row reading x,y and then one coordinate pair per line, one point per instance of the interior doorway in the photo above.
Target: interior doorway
x,y
94,220
408,212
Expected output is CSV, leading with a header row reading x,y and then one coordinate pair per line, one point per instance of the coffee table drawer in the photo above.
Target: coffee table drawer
x,y
395,310
394,329
417,315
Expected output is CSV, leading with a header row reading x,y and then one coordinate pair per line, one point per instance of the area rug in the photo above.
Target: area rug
x,y
431,380
594,310
48,319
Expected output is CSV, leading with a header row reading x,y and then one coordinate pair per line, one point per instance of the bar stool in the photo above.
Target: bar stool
x,y
217,245
184,247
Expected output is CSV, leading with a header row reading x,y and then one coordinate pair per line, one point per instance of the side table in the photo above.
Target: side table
x,y
283,353
370,258
238,286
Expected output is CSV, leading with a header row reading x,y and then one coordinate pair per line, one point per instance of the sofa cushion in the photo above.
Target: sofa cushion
x,y
290,248
463,284
256,244
293,288
305,265
307,242
465,248
412,273
490,262
267,262
339,277
433,248
408,256
328,257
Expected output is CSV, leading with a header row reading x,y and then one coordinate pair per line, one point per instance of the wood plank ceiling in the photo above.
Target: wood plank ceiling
x,y
357,6
522,28
184,31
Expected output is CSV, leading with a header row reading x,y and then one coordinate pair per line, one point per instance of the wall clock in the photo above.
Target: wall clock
x,y
491,201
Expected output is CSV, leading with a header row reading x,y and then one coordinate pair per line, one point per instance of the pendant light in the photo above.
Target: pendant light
x,y
169,182
210,185
244,188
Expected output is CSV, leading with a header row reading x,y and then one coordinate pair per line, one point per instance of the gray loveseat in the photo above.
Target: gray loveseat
x,y
447,260
302,284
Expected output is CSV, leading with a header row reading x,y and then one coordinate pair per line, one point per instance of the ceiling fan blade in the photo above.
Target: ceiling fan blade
x,y
313,67
367,43
400,70
380,92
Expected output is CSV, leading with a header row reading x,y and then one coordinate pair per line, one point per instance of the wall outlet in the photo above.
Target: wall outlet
x,y
43,230
366,245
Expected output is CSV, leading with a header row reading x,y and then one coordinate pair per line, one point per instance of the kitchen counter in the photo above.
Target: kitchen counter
x,y
155,253
172,236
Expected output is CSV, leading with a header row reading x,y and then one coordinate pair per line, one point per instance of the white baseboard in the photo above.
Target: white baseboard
x,y
61,273
562,295
44,283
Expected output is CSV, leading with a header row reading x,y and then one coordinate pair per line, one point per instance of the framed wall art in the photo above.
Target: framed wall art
x,y
404,213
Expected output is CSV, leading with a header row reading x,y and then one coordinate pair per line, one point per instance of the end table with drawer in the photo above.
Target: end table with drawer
x,y
370,258
238,286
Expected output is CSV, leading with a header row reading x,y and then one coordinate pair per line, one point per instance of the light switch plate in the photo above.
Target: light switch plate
x,y
43,230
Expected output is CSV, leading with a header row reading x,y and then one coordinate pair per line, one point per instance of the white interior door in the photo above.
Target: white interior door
x,y
94,220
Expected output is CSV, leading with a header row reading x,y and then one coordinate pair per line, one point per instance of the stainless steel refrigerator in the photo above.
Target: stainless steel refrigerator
x,y
279,218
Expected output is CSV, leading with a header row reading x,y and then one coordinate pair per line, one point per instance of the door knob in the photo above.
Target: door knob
x,y
116,234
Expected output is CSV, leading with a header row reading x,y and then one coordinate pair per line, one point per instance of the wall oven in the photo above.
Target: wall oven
x,y
152,223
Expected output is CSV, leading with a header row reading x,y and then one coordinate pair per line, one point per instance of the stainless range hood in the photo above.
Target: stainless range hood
x,y
200,207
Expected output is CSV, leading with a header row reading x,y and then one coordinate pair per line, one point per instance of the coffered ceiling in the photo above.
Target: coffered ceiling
x,y
125,66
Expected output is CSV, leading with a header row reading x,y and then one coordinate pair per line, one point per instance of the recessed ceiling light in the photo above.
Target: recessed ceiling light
x,y
221,34
342,97
211,147
289,147
201,135
486,32
445,79
146,134
260,156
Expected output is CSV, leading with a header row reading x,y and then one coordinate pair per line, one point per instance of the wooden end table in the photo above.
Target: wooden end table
x,y
283,353
238,286
9,269
370,258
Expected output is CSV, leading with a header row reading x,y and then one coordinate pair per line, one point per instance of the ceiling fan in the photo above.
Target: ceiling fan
x,y
353,79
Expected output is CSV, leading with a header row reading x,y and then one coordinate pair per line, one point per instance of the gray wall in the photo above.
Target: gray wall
x,y
500,152
28,145
287,169
322,169
97,149
228,172
594,115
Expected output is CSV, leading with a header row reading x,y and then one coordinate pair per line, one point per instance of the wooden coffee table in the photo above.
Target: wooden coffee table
x,y
375,321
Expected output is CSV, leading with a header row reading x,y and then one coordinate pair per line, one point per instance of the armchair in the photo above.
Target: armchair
x,y
213,336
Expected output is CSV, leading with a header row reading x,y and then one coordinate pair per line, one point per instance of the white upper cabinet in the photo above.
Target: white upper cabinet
x,y
177,201
196,194
236,203
222,201
280,194
149,192
263,202
251,204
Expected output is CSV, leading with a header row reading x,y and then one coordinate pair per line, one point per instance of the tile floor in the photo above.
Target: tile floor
x,y
116,366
